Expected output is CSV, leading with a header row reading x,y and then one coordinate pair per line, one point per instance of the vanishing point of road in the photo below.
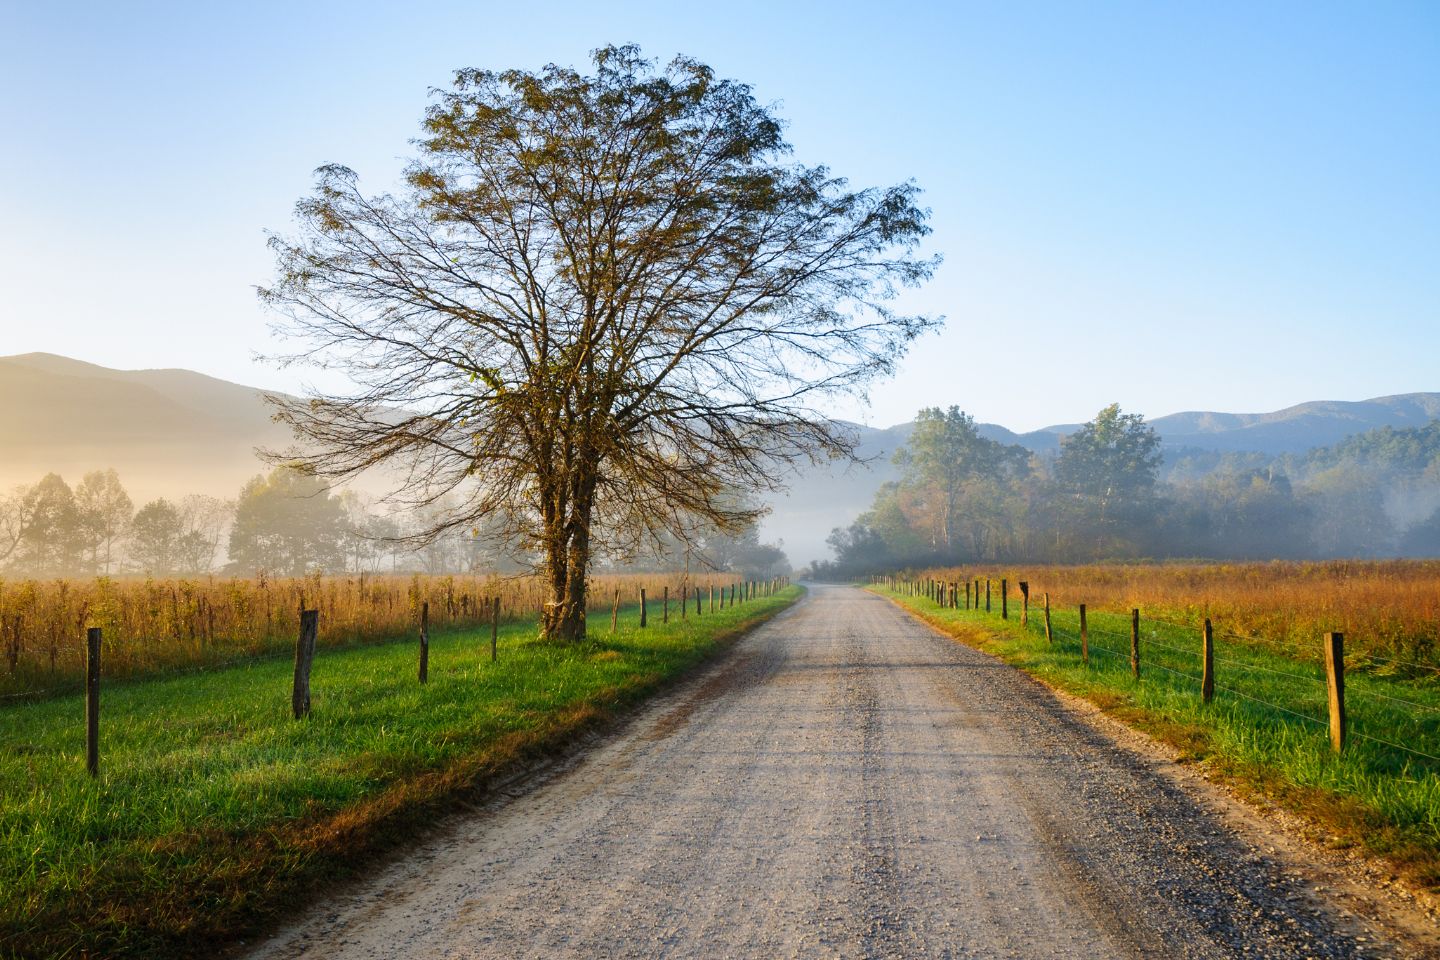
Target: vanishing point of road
x,y
844,783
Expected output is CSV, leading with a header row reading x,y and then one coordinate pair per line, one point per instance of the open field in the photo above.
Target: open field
x,y
1267,724
1388,610
155,626
214,809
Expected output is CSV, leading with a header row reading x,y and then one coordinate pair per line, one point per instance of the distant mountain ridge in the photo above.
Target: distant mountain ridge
x,y
169,432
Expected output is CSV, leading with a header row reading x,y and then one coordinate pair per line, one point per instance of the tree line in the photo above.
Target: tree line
x,y
287,524
1110,494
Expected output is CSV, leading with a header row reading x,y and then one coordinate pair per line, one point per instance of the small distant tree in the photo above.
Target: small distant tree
x,y
1109,467
51,536
287,523
946,459
105,512
156,538
203,519
601,303
16,515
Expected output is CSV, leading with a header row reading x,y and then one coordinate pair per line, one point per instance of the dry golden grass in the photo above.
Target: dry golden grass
x,y
157,625
1387,609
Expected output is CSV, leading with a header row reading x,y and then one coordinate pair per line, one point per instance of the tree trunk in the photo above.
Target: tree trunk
x,y
567,562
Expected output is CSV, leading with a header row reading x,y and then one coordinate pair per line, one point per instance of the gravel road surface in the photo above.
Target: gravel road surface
x,y
846,783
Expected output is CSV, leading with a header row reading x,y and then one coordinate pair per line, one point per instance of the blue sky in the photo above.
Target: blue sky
x,y
1169,205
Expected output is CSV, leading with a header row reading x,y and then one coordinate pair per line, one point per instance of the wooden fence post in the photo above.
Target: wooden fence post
x,y
1207,667
1084,638
1024,603
92,701
1004,599
304,658
644,608
698,609
987,594
967,594
665,610
425,641
1335,682
494,629
615,612
1135,643
1049,637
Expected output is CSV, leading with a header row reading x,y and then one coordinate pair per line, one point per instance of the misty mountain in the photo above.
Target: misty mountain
x,y
172,432
167,432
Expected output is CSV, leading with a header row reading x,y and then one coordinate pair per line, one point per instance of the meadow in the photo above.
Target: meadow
x,y
1388,610
155,626
215,811
1267,726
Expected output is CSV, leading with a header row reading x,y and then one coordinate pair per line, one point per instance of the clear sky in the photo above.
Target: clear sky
x,y
1225,206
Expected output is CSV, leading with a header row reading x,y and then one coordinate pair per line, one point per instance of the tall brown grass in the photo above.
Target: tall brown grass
x,y
1387,609
152,626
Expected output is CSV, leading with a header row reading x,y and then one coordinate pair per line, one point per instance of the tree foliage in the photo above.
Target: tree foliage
x,y
287,523
105,512
600,303
954,472
156,533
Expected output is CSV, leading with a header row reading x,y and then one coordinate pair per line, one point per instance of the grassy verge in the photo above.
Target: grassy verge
x,y
1265,732
215,811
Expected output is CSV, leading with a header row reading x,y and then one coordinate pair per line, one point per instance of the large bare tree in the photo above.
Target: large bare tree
x,y
600,304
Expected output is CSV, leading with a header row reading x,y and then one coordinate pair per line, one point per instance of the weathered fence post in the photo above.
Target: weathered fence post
x,y
425,641
1135,643
1084,638
1004,599
1335,682
16,635
92,701
644,608
665,609
1207,667
494,629
1049,637
615,612
967,594
1024,603
304,658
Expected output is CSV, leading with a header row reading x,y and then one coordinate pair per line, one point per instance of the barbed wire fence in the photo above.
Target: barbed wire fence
x,y
1326,700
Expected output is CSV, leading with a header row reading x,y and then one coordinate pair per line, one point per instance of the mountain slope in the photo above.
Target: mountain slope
x,y
167,432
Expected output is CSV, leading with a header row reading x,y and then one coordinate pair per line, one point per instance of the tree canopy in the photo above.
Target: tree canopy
x,y
287,523
600,303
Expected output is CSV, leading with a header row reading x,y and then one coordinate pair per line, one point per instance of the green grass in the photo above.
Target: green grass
x,y
1266,729
215,811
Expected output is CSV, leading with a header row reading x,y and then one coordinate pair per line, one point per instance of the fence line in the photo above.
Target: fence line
x,y
948,599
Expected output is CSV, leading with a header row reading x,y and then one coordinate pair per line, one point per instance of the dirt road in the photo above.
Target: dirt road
x,y
845,784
